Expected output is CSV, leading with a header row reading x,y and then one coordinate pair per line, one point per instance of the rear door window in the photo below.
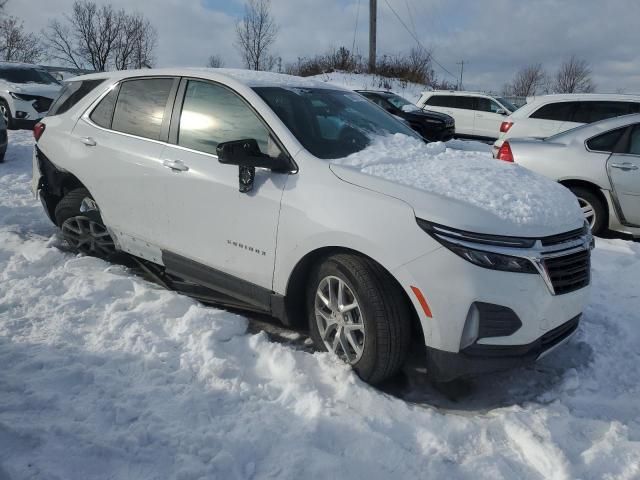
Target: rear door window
x,y
560,112
593,111
140,108
441,101
71,94
465,103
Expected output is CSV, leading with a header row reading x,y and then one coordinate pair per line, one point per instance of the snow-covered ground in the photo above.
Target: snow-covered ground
x,y
103,375
365,81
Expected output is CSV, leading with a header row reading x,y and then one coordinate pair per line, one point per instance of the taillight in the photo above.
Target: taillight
x,y
38,130
505,153
505,126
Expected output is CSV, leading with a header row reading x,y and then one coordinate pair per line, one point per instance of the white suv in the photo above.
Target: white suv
x,y
548,115
477,115
256,186
26,93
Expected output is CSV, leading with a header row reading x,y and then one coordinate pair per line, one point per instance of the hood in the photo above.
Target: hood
x,y
41,89
431,115
462,189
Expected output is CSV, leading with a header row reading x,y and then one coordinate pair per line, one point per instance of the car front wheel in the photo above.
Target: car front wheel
x,y
593,209
357,312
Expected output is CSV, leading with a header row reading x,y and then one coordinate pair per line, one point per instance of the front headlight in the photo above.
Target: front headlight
x,y
470,247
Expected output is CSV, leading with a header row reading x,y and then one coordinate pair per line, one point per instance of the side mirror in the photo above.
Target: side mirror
x,y
501,111
247,156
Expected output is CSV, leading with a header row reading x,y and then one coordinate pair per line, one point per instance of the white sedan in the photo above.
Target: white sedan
x,y
599,163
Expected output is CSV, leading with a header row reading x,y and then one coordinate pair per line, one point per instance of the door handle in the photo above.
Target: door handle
x,y
626,166
175,165
88,141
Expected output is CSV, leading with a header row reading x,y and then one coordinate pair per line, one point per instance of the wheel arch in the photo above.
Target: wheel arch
x,y
294,299
592,187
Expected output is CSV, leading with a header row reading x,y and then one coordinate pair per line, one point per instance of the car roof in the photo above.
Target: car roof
x,y
459,92
250,78
533,103
20,65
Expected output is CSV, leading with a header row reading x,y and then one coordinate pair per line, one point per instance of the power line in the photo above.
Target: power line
x,y
355,30
413,23
415,37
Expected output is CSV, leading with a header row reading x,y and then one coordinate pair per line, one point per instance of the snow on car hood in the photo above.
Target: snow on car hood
x,y
42,89
462,189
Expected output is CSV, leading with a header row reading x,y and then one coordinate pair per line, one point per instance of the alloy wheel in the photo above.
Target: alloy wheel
x,y
339,319
88,236
588,211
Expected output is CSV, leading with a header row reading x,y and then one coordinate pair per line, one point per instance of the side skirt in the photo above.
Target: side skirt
x,y
233,291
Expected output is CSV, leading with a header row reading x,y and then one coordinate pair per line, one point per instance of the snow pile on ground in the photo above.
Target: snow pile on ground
x,y
105,376
367,81
507,190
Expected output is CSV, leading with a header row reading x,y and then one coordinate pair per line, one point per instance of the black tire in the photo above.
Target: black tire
x,y
601,219
68,209
385,314
9,120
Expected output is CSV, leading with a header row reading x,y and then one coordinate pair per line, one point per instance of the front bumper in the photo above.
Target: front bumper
x,y
476,359
25,114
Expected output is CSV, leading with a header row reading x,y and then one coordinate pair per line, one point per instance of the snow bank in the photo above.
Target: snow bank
x,y
509,191
366,81
105,376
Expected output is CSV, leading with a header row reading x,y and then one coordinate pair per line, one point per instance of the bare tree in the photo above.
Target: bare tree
x,y
136,42
16,45
102,38
215,61
255,34
527,81
574,76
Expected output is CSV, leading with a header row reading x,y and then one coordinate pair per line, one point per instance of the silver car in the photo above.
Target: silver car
x,y
598,162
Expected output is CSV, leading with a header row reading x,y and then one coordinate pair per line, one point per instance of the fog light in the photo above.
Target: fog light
x,y
21,115
471,328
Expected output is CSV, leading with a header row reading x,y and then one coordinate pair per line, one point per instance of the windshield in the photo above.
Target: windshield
x,y
27,75
398,101
331,123
510,106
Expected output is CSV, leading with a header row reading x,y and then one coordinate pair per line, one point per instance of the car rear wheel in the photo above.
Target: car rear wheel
x,y
593,209
78,217
359,314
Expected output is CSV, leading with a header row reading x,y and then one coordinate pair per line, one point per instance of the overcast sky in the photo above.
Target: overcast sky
x,y
493,37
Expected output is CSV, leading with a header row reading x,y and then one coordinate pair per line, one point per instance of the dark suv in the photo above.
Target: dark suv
x,y
433,126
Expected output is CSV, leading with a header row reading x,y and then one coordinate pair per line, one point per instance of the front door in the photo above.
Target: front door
x,y
624,171
487,119
208,220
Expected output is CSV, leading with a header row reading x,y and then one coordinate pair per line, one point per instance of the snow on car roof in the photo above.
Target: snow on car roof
x,y
250,78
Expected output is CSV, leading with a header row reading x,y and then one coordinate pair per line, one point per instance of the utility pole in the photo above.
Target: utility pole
x,y
461,63
373,14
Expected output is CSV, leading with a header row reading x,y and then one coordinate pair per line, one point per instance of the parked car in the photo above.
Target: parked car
x,y
477,115
233,180
598,162
433,126
547,115
26,93
4,140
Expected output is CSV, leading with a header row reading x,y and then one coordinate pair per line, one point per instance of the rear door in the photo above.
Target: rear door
x,y
460,107
207,220
119,145
487,119
624,170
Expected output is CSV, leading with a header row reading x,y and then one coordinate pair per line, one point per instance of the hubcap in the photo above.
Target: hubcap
x,y
588,211
339,319
87,236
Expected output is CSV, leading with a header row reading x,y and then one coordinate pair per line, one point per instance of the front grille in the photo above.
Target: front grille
x,y
563,237
570,272
42,104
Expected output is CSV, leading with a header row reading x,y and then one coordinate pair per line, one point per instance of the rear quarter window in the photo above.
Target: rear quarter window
x,y
71,94
440,101
560,112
